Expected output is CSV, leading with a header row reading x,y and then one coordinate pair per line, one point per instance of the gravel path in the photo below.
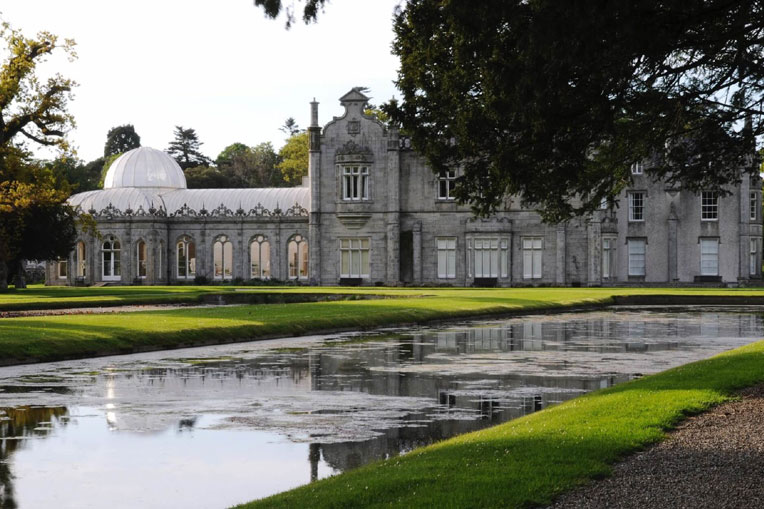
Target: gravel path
x,y
713,460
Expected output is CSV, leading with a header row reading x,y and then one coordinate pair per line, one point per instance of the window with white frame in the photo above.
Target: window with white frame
x,y
709,257
354,257
754,205
297,257
487,257
447,257
709,206
110,251
141,255
637,168
62,269
355,182
260,258
637,206
636,250
222,258
753,257
80,259
185,251
532,255
446,185
608,258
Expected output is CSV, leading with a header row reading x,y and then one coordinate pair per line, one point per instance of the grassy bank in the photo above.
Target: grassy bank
x,y
53,297
38,297
47,338
528,461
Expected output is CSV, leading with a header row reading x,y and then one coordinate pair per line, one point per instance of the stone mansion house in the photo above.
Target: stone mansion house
x,y
372,212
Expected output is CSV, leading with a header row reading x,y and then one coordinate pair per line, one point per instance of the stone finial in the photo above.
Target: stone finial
x,y
314,113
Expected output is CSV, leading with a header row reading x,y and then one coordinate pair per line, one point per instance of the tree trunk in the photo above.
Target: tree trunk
x,y
3,275
19,281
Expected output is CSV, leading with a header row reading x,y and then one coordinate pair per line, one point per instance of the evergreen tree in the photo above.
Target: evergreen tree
x,y
185,148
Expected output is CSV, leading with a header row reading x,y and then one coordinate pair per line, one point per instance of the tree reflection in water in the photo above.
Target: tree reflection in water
x,y
17,425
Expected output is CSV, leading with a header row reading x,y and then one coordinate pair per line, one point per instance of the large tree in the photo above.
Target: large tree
x,y
553,101
80,176
186,148
207,177
250,166
32,110
121,139
294,159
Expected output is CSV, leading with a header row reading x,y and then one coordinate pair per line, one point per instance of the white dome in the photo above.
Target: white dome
x,y
145,167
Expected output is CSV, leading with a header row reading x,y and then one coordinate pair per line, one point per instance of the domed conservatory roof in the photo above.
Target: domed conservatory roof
x,y
145,167
146,181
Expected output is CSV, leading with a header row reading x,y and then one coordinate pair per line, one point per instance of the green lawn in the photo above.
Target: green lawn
x,y
45,338
529,461
56,297
53,297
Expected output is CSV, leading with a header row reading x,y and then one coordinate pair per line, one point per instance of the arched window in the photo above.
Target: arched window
x,y
80,259
297,254
222,256
185,250
141,255
111,249
160,259
260,258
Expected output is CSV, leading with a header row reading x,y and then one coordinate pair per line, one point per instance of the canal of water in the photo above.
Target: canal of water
x,y
214,426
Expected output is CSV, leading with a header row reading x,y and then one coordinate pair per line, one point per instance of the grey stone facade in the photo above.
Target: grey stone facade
x,y
378,215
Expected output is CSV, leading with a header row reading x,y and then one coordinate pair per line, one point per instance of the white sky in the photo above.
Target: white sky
x,y
218,66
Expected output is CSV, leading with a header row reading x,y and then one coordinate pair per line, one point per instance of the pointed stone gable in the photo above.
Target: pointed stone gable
x,y
353,96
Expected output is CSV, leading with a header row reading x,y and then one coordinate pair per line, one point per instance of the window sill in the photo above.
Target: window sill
x,y
707,279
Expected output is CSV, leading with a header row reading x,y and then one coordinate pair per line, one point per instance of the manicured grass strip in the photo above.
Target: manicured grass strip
x,y
529,461
42,297
58,337
48,338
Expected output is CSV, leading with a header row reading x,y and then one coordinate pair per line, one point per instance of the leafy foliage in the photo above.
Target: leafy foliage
x,y
78,175
553,101
273,8
121,139
206,177
32,200
294,158
185,148
245,166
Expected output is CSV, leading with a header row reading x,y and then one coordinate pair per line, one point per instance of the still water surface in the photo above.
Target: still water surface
x,y
214,426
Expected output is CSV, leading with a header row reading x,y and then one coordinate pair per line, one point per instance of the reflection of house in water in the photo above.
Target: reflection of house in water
x,y
17,425
392,442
